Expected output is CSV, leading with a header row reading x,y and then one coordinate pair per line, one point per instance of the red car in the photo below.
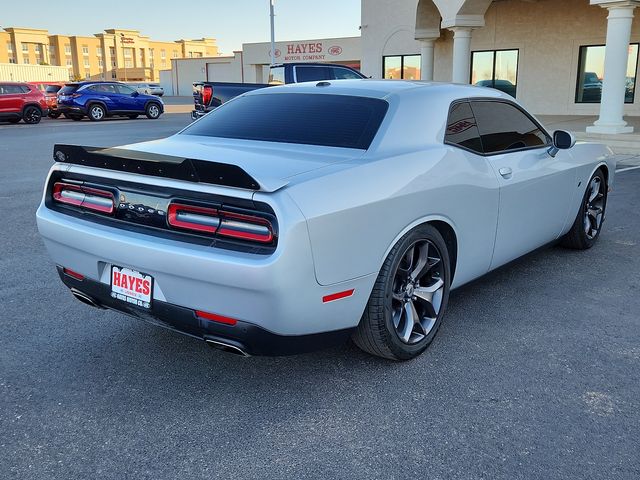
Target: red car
x,y
50,91
21,101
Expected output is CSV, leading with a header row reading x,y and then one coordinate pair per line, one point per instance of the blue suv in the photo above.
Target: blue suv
x,y
98,100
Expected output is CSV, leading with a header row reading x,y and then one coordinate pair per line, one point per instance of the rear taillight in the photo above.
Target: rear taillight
x,y
207,94
82,196
224,223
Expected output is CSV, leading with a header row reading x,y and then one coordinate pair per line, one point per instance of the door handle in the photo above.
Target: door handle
x,y
505,172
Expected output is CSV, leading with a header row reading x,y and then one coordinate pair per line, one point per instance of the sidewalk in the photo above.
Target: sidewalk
x,y
626,143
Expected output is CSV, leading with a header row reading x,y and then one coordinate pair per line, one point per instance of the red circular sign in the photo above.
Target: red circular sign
x,y
335,50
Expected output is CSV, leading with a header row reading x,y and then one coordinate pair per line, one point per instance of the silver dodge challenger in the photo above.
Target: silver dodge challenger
x,y
292,218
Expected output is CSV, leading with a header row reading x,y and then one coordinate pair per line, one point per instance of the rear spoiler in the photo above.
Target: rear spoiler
x,y
156,165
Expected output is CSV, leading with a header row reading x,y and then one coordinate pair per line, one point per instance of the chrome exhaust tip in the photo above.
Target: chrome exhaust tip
x,y
86,299
226,347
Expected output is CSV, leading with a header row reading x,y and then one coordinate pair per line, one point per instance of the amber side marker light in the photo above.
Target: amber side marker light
x,y
337,296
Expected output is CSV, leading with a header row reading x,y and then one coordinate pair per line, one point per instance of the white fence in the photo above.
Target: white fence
x,y
10,72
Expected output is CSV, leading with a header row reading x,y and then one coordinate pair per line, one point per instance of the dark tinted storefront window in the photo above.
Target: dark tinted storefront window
x,y
495,69
591,74
312,119
401,67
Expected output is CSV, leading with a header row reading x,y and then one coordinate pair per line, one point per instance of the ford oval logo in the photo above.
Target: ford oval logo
x,y
335,50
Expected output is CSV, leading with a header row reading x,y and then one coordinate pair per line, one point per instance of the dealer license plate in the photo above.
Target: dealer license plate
x,y
131,286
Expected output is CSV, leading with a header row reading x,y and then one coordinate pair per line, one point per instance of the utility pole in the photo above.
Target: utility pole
x,y
124,59
273,33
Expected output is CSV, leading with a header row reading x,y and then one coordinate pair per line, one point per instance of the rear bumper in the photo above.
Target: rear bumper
x,y
242,337
70,109
276,293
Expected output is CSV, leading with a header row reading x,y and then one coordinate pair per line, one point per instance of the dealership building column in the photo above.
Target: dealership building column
x,y
427,46
461,54
615,67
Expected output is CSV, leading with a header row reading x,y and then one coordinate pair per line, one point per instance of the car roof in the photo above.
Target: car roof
x,y
384,89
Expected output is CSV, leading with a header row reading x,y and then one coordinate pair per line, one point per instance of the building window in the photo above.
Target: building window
x,y
163,54
87,74
128,64
67,49
591,74
69,62
100,63
12,60
495,69
85,50
99,51
25,59
175,54
112,51
25,47
127,53
405,67
86,63
9,47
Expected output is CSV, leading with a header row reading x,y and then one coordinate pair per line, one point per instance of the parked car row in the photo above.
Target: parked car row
x,y
29,102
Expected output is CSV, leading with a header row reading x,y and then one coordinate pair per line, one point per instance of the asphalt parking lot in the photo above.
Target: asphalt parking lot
x,y
535,373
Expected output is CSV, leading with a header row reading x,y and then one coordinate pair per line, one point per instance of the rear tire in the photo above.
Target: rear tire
x,y
96,112
153,111
31,115
588,223
409,299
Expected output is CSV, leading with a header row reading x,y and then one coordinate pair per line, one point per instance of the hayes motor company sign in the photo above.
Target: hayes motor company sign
x,y
310,51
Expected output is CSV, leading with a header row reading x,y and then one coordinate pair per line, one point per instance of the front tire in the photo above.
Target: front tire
x,y
32,115
409,299
588,223
97,113
153,111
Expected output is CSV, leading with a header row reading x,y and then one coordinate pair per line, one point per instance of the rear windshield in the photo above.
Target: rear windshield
x,y
310,119
52,88
67,89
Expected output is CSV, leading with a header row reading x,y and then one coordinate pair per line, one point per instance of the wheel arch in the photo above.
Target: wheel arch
x,y
445,227
91,103
32,104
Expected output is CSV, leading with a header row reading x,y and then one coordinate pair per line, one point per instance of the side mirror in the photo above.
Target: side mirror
x,y
562,140
135,94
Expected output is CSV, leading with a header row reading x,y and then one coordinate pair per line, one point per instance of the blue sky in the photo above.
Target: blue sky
x,y
232,23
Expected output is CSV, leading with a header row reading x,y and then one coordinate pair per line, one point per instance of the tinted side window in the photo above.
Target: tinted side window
x,y
13,89
312,74
504,127
124,89
462,129
344,74
68,89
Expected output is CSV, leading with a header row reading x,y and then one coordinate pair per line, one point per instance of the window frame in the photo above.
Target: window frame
x,y
493,67
471,101
402,57
575,95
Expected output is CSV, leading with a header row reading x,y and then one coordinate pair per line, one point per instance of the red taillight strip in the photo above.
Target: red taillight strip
x,y
85,197
212,317
337,296
208,216
72,274
221,222
245,227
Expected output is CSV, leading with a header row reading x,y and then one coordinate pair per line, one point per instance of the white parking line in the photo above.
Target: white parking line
x,y
627,169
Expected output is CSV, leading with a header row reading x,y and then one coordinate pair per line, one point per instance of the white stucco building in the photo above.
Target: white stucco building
x,y
551,54
251,64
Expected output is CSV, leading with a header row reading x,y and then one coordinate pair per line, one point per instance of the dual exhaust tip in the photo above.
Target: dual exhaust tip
x,y
218,344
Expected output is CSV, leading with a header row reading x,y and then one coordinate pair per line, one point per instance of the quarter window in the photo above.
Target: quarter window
x,y
503,127
591,74
462,129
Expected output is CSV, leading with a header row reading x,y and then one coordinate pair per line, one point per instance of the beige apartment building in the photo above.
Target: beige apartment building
x,y
115,54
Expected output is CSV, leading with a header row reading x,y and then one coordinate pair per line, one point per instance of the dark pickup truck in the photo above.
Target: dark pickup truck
x,y
209,95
